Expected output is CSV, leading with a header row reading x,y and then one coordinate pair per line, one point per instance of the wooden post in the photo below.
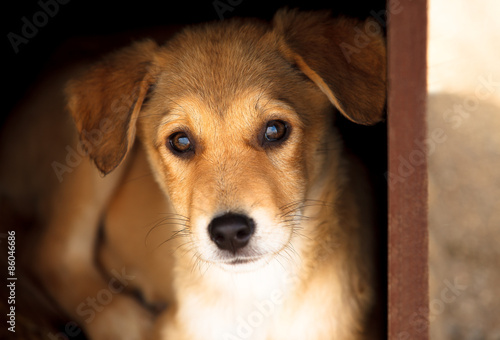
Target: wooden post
x,y
407,176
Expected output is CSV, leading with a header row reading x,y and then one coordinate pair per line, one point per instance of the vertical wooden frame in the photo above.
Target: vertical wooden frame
x,y
407,175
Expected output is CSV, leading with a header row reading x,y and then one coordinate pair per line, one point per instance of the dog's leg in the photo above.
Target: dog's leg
x,y
65,260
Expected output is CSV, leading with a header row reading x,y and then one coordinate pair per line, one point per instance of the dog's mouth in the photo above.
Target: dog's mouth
x,y
243,264
242,261
239,261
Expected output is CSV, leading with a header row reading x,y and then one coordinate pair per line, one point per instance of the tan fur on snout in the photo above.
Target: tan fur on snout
x,y
306,271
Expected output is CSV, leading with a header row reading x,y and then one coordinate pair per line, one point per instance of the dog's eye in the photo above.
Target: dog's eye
x,y
180,143
276,130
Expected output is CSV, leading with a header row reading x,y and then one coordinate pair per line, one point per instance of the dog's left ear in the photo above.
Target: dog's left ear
x,y
344,57
106,100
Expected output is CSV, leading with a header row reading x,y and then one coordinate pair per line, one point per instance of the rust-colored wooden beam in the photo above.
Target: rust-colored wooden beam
x,y
407,174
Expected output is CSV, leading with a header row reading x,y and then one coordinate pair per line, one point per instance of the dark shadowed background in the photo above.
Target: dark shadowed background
x,y
54,24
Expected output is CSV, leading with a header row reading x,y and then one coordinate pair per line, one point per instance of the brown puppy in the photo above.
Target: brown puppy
x,y
247,228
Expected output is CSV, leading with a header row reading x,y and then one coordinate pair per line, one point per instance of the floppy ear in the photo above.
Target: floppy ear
x,y
344,57
105,103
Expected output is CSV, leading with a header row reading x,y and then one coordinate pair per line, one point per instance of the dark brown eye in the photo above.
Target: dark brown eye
x,y
276,130
180,143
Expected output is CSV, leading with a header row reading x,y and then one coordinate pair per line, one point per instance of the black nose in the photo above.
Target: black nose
x,y
231,231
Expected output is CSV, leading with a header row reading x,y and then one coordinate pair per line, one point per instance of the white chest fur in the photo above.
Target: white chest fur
x,y
233,306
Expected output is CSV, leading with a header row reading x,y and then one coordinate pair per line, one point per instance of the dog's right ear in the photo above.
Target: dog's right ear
x,y
345,58
105,103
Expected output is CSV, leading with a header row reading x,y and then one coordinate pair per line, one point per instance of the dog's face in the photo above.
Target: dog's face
x,y
229,129
235,118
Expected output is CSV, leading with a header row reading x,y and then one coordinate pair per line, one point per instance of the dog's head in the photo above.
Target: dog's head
x,y
236,117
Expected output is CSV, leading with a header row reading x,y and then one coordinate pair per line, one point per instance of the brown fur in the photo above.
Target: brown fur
x,y
220,83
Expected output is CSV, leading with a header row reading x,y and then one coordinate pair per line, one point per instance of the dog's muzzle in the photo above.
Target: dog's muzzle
x,y
231,231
